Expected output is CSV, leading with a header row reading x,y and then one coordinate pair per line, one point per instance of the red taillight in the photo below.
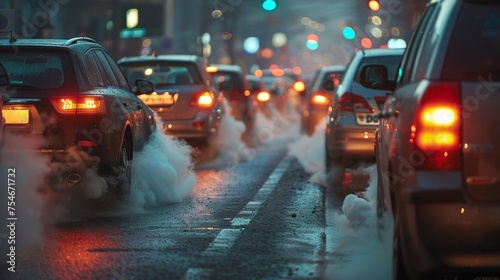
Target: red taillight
x,y
436,127
79,105
203,100
86,143
320,98
349,101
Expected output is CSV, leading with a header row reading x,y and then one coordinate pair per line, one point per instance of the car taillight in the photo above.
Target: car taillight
x,y
348,101
203,100
436,127
299,86
263,96
319,98
79,105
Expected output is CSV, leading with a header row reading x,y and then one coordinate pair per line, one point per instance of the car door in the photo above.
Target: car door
x,y
398,106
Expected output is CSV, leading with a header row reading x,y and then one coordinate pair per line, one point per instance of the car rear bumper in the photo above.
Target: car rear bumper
x,y
197,129
442,231
351,142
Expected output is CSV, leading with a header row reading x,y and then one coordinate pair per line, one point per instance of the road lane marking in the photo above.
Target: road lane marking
x,y
227,237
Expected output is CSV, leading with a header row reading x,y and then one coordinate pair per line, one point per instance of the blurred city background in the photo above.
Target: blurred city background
x,y
251,33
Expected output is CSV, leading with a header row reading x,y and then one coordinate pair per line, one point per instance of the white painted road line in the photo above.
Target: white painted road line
x,y
227,237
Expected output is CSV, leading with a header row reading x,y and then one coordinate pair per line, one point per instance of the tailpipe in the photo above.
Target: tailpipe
x,y
73,178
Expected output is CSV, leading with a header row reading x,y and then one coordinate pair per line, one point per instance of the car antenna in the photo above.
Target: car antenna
x,y
12,39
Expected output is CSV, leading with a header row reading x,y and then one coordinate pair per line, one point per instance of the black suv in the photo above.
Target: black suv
x,y
72,97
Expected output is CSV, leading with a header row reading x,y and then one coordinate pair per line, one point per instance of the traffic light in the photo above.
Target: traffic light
x,y
349,33
374,5
269,5
312,42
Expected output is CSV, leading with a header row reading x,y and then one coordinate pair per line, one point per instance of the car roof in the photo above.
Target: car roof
x,y
382,52
333,68
48,42
163,57
227,67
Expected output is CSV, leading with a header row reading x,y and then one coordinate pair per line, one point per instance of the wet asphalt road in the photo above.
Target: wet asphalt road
x,y
260,219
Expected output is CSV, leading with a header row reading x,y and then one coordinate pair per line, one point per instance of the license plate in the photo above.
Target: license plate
x,y
157,100
16,116
367,119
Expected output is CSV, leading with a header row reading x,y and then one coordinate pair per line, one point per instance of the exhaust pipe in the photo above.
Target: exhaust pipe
x,y
73,178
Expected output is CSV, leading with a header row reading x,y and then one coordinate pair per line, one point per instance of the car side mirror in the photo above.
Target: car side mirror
x,y
144,86
374,76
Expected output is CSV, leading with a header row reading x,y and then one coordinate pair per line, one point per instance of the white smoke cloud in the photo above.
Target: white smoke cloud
x,y
355,234
162,172
227,147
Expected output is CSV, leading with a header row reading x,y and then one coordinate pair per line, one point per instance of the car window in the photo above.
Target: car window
x,y
334,77
228,80
413,47
122,81
38,69
474,48
428,47
391,62
93,73
107,68
162,72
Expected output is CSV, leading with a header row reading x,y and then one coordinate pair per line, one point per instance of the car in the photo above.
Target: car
x,y
4,98
230,79
72,96
352,118
288,85
317,97
263,97
186,100
437,146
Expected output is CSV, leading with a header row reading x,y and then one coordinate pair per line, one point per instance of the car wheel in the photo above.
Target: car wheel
x,y
398,267
380,210
125,171
328,160
380,206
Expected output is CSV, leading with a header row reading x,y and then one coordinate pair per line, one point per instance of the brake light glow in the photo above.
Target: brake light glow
x,y
436,127
350,101
263,96
319,98
212,69
299,86
203,100
79,105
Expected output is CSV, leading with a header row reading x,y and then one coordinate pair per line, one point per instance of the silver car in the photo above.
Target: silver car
x,y
185,99
438,147
355,106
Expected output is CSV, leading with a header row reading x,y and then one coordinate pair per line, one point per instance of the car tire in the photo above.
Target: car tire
x,y
381,225
398,267
381,210
125,171
328,160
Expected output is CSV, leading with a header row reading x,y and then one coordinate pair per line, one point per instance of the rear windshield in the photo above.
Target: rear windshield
x,y
36,69
391,62
474,49
162,73
228,80
334,77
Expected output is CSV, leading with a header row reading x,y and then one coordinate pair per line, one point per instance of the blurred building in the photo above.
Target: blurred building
x,y
220,29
